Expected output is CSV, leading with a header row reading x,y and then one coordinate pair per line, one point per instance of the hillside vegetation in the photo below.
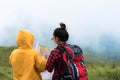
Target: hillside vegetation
x,y
98,68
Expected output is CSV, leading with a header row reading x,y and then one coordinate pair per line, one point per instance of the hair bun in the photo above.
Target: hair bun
x,y
63,26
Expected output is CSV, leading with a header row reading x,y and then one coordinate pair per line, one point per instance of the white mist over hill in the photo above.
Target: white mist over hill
x,y
93,24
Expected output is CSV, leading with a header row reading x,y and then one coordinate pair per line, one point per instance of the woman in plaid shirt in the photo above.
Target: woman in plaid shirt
x,y
60,36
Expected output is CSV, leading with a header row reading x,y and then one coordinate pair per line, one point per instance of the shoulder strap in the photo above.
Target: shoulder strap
x,y
63,49
66,71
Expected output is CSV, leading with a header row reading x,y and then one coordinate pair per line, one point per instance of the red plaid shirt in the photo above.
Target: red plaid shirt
x,y
55,63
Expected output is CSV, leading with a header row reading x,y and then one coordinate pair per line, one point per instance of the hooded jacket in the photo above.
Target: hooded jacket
x,y
26,62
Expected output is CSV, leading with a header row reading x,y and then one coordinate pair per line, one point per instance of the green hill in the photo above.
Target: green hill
x,y
98,67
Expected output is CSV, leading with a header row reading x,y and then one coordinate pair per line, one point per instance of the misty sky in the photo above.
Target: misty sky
x,y
87,20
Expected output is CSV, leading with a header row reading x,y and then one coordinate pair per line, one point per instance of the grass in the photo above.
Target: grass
x,y
98,68
106,72
5,73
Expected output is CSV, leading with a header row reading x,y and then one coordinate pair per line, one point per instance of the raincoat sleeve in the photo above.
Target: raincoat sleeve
x,y
40,62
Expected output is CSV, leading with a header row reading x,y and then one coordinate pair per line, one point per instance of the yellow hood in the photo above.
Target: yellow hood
x,y
25,39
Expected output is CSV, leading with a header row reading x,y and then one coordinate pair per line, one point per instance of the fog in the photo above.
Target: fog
x,y
92,24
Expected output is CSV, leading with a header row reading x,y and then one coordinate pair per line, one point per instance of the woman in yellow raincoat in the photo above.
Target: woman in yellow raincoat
x,y
26,62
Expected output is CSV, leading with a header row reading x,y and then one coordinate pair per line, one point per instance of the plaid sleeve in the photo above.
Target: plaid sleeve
x,y
51,60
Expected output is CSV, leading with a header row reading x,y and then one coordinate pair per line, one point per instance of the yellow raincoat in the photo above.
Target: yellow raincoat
x,y
26,62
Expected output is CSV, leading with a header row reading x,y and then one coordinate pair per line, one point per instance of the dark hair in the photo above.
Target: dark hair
x,y
61,32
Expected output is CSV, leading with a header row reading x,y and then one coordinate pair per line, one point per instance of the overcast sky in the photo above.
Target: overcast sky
x,y
86,20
